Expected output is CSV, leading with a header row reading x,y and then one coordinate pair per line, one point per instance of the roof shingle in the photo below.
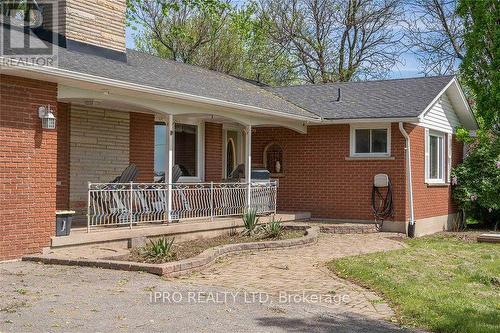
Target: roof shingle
x,y
397,98
148,70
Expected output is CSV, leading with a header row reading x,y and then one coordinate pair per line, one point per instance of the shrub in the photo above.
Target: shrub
x,y
273,229
160,248
250,221
476,182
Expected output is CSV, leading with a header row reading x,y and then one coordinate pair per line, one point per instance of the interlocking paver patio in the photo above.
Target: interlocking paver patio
x,y
303,270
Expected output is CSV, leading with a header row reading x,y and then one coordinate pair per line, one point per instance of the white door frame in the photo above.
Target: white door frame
x,y
240,147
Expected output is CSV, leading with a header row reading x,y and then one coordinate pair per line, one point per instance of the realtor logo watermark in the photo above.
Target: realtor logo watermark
x,y
228,297
28,32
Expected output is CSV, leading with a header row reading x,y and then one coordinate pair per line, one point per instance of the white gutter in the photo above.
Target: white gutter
x,y
67,74
411,227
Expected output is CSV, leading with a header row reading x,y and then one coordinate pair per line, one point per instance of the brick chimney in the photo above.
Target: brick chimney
x,y
99,23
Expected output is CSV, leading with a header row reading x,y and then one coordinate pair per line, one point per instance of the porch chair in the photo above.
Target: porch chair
x,y
122,208
176,174
128,175
114,207
227,200
237,174
158,202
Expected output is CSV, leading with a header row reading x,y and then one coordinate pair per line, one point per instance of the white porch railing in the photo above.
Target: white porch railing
x,y
134,203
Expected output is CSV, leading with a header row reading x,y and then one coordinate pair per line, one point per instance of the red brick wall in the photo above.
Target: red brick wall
x,y
28,167
141,150
63,135
185,154
429,201
318,178
213,152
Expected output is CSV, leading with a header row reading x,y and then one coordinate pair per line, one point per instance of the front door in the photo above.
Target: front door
x,y
232,150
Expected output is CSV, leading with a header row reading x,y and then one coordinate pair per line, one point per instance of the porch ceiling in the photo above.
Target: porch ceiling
x,y
137,103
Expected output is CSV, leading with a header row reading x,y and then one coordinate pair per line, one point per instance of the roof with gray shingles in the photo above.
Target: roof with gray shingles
x,y
148,70
397,98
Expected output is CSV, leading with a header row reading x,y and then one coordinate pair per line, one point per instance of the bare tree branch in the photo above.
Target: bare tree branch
x,y
434,32
337,40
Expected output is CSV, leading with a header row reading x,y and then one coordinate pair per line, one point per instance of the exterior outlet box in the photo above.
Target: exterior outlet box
x,y
381,180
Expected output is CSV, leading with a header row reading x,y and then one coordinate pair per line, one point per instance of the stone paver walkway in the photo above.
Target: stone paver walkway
x,y
302,271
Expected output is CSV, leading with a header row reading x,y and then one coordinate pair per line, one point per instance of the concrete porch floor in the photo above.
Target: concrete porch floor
x,y
183,231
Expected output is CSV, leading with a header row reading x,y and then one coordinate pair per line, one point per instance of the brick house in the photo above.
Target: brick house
x,y
114,107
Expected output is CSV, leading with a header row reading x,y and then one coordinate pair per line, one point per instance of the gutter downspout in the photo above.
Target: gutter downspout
x,y
411,225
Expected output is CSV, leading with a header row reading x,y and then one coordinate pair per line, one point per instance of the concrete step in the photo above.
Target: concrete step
x,y
183,230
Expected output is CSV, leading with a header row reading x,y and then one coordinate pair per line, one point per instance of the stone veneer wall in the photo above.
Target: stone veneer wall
x,y
96,22
99,151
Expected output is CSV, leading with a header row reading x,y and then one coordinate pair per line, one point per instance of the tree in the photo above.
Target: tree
x,y
480,66
434,32
244,49
476,182
178,29
336,40
210,33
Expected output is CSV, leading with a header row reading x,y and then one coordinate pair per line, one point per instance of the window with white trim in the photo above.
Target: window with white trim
x,y
188,154
370,140
186,149
160,148
437,166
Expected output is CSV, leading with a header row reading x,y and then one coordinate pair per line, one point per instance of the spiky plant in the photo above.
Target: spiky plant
x,y
250,221
273,229
159,249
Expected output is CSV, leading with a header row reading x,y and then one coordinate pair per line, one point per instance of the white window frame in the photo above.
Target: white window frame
x,y
200,147
443,166
200,133
354,127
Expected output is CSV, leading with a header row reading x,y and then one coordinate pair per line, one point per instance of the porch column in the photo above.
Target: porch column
x,y
170,165
248,164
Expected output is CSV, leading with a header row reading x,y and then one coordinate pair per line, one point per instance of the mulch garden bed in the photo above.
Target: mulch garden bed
x,y
189,249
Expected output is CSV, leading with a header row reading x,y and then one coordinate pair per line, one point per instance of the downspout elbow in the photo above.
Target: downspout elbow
x,y
411,225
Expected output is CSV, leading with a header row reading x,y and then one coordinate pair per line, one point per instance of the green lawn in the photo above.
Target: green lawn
x,y
440,283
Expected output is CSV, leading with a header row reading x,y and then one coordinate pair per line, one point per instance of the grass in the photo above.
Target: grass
x,y
444,283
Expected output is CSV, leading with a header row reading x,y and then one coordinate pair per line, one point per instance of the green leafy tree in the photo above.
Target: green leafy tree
x,y
480,65
210,33
177,29
476,182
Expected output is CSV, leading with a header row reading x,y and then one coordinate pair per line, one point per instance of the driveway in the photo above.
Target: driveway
x,y
37,297
298,271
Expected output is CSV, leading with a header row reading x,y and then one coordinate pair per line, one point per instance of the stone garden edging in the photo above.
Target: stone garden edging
x,y
185,266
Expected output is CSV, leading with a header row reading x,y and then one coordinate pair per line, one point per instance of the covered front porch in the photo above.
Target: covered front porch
x,y
191,161
132,204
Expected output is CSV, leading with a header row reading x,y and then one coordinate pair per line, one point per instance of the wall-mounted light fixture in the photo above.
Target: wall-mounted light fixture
x,y
46,113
